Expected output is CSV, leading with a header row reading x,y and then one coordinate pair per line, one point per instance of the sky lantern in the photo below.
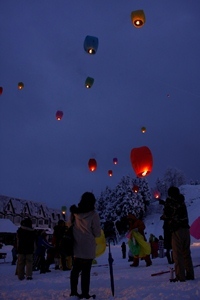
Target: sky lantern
x,y
110,173
138,18
63,209
115,161
59,115
92,164
156,194
20,85
142,161
1,90
89,82
91,44
135,188
143,129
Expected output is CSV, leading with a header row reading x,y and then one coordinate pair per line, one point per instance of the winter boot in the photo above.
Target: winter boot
x,y
148,260
135,262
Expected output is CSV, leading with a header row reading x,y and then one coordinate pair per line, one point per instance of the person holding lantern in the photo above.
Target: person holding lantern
x,y
177,217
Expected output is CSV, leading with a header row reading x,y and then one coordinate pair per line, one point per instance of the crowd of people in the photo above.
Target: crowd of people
x,y
176,240
73,247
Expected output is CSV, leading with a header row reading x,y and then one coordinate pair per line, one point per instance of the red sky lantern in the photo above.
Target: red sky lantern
x,y
1,90
115,161
142,161
110,173
156,195
92,164
59,115
135,188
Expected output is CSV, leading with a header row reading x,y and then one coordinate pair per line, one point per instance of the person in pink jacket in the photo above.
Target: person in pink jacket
x,y
86,227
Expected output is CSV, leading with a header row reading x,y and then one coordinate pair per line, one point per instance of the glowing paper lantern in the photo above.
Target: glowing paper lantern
x,y
135,188
20,85
1,90
142,161
91,44
156,195
110,173
59,115
115,161
138,18
92,164
63,208
89,82
143,129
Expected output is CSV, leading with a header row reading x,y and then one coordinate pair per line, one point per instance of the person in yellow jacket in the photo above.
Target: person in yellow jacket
x,y
137,241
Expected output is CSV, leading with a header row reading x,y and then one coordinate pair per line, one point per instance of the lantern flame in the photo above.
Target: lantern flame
x,y
91,51
144,173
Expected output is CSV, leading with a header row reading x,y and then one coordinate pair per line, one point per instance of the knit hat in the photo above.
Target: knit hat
x,y
173,192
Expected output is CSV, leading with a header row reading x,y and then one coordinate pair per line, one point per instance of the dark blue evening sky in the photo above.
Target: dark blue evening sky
x,y
145,76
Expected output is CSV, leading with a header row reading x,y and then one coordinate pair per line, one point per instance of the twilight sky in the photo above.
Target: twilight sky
x,y
145,76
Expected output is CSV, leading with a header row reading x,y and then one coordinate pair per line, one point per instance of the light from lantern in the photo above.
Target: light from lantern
x,y
138,18
135,189
142,161
115,161
110,173
20,85
143,129
92,164
59,115
91,44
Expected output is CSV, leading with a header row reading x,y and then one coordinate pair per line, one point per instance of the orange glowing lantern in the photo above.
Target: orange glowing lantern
x,y
110,173
115,161
135,189
20,85
1,90
59,115
143,129
138,18
142,161
156,195
92,164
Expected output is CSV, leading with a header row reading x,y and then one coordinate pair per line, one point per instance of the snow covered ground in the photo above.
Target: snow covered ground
x,y
130,283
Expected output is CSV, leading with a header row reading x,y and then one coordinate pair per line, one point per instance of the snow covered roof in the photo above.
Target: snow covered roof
x,y
6,226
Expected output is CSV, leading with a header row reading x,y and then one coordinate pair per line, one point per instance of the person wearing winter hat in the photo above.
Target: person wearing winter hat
x,y
85,229
25,249
176,214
